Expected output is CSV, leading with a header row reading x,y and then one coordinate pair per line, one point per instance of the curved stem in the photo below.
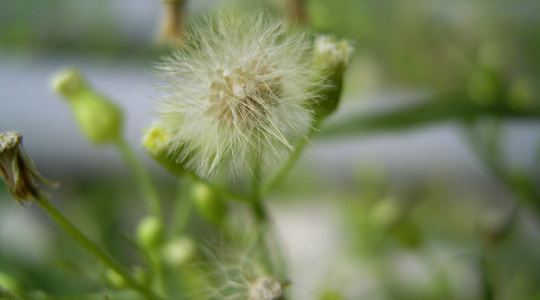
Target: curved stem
x,y
182,209
142,177
256,200
95,250
488,156
287,166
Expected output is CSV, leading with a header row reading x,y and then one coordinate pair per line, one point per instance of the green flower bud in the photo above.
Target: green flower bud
x,y
180,251
209,204
150,232
330,294
485,88
115,279
157,142
99,118
330,58
522,94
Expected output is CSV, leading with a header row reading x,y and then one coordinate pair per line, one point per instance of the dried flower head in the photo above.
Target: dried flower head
x,y
237,92
17,168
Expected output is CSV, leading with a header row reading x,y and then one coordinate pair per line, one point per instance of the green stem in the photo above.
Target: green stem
x,y
287,166
182,209
95,250
256,200
142,177
489,157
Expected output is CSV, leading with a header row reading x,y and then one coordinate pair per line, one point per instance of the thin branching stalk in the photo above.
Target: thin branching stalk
x,y
142,177
100,254
285,169
182,209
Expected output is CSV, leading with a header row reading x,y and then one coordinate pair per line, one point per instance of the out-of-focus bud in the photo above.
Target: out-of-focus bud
x,y
150,232
9,285
17,168
157,142
172,30
115,279
522,94
209,204
179,251
297,11
485,87
99,118
330,294
331,58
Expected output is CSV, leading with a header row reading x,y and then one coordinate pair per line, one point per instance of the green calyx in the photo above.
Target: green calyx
x,y
330,59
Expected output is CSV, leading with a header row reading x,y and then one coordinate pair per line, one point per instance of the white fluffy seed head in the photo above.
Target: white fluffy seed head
x,y
237,92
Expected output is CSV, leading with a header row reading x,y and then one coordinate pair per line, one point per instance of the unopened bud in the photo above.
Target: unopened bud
x,y
209,204
150,232
180,251
115,279
157,142
331,58
485,87
330,294
99,118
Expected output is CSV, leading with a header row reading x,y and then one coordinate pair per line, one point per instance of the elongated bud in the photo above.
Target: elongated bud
x,y
331,59
209,204
297,11
172,30
157,142
150,232
99,118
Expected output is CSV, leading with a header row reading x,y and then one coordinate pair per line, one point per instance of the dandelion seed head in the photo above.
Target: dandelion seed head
x,y
238,92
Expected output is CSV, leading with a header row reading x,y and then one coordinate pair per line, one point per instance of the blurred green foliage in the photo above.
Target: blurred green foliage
x,y
475,63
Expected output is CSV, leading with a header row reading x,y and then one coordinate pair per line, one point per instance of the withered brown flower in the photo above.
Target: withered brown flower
x,y
17,168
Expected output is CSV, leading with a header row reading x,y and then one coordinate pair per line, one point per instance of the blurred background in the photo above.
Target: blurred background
x,y
425,184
